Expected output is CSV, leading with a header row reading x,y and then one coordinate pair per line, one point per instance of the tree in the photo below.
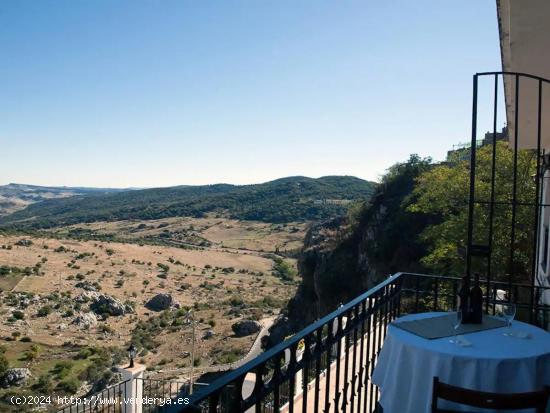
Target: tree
x,y
4,365
443,192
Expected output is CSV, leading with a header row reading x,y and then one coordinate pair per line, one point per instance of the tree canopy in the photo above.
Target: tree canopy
x,y
443,192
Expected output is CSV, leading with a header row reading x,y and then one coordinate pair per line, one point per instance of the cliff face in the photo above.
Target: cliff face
x,y
344,257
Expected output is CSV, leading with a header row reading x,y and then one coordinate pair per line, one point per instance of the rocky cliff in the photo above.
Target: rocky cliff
x,y
344,257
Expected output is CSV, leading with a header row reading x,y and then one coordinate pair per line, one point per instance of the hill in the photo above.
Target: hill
x,y
14,197
283,200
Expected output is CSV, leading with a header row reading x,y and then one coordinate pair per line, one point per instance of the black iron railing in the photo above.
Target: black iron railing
x,y
324,368
154,392
108,400
327,366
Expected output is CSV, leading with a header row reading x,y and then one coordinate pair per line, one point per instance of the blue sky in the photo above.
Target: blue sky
x,y
157,93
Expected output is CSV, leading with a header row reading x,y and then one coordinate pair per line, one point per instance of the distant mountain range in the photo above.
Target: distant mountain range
x,y
14,197
283,200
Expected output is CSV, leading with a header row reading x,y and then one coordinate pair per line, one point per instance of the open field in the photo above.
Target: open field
x,y
225,270
212,231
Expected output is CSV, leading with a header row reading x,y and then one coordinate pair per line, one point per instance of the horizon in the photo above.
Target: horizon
x,y
236,92
177,185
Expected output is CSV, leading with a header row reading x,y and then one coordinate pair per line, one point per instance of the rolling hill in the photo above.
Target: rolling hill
x,y
283,200
14,197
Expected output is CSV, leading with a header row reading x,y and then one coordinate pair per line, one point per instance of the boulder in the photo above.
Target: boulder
x,y
246,327
105,304
85,320
161,302
15,377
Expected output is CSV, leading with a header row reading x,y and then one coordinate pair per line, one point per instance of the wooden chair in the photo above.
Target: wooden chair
x,y
497,401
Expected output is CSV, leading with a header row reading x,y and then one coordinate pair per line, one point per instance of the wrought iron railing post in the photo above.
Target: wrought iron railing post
x,y
472,179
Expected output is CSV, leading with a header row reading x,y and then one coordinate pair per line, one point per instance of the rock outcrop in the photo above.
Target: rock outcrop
x,y
105,304
15,377
161,302
246,327
344,257
85,320
86,296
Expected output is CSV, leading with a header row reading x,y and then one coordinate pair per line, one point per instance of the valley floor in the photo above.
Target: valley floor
x,y
48,283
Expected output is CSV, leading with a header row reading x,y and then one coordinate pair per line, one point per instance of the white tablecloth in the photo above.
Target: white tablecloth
x,y
407,364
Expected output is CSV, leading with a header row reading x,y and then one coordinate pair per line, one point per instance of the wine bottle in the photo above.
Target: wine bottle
x,y
476,302
464,299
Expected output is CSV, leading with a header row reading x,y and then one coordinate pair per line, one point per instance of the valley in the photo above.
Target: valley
x,y
70,293
86,272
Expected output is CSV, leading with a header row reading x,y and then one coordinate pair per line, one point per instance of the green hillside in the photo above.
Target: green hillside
x,y
283,200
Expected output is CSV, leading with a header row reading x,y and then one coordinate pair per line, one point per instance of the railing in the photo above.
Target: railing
x,y
155,391
327,366
109,400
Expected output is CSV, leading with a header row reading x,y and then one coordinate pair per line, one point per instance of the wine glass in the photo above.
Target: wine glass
x,y
508,313
456,322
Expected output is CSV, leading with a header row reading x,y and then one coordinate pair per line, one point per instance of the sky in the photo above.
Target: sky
x,y
133,93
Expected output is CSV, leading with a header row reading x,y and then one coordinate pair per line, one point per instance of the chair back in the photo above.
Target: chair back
x,y
498,401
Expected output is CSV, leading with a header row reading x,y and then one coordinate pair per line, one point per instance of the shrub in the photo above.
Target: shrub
x,y
105,328
44,384
18,315
32,353
4,365
62,368
283,270
163,267
44,311
236,300
84,353
70,385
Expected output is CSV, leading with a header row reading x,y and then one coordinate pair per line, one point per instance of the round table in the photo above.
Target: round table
x,y
493,362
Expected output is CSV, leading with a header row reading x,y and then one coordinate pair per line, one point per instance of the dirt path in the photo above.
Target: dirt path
x,y
253,352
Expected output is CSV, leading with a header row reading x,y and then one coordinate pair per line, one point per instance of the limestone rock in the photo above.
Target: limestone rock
x,y
15,377
246,327
161,302
105,304
86,296
85,320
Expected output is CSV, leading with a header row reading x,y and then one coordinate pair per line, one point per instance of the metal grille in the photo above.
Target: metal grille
x,y
109,400
505,198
